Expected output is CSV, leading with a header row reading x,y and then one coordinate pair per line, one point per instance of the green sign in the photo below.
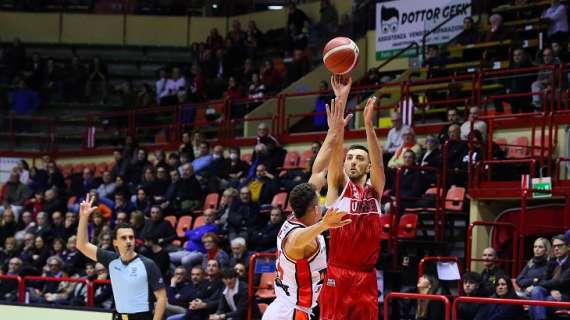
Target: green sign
x,y
542,184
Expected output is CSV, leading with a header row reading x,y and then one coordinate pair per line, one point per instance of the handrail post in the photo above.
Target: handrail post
x,y
22,290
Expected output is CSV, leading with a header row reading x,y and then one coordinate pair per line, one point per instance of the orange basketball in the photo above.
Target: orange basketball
x,y
340,55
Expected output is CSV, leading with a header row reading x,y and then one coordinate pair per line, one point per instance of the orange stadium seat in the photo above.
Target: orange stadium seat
x,y
199,221
407,226
247,157
280,200
519,148
185,222
291,160
211,201
454,199
386,222
100,169
306,157
172,220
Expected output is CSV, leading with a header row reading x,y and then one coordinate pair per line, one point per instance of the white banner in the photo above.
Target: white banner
x,y
401,22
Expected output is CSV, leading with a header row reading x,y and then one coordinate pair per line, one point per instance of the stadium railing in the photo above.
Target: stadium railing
x,y
251,278
514,261
416,296
91,290
521,302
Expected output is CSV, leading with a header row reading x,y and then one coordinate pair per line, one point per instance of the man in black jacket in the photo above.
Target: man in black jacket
x,y
233,304
556,285
181,291
158,228
471,288
209,297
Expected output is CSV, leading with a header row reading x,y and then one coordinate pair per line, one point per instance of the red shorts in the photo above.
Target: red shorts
x,y
349,294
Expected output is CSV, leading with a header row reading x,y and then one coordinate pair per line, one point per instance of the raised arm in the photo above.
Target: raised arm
x,y
335,177
377,177
85,209
300,238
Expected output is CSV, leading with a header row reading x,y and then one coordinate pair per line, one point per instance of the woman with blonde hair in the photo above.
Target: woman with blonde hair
x,y
428,309
536,268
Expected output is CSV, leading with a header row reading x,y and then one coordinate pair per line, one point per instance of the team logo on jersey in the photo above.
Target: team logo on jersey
x,y
363,206
331,283
133,272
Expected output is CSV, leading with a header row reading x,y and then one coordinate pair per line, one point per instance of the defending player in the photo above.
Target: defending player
x,y
301,259
350,290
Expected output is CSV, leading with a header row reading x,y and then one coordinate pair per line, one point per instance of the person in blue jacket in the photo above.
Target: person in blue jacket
x,y
536,268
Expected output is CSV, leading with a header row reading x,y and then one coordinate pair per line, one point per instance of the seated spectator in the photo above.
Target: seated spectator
x,y
452,118
241,271
23,101
428,309
536,268
194,248
188,192
25,225
554,286
120,205
471,283
9,288
43,228
181,291
503,289
394,139
107,187
71,256
490,272
296,21
54,177
54,266
412,183
226,203
137,222
97,226
211,243
237,172
13,195
141,202
58,226
556,15
543,81
469,35
208,298
70,224
320,120
560,53
234,92
156,252
203,159
256,89
435,62
455,150
74,80
64,289
270,77
52,201
158,228
233,304
8,226
196,89
240,254
496,30
135,169
263,239
300,65
150,184
519,84
175,85
473,123
186,147
103,297
408,143
263,186
97,76
432,158
242,216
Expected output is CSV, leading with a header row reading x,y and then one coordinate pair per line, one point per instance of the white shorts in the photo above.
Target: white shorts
x,y
281,309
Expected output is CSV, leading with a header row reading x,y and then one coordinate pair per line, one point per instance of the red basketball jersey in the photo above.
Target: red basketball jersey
x,y
357,245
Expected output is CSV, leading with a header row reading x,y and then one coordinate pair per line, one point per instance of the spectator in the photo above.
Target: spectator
x,y
543,81
394,139
211,243
240,254
408,143
70,224
54,266
241,271
256,89
203,159
242,216
8,226
233,303
435,62
138,223
263,186
141,201
214,40
496,30
469,35
9,288
263,239
58,226
161,88
71,256
145,97
208,298
194,248
154,250
412,184
299,67
432,155
54,177
490,272
519,84
456,148
471,284
9,251
556,16
158,228
136,169
196,89
97,77
24,100
295,27
174,86
428,309
560,53
13,194
270,77
103,297
52,201
34,72
26,225
473,123
503,289
74,80
181,291
238,168
328,23
107,187
536,268
555,285
320,120
186,147
190,193
64,289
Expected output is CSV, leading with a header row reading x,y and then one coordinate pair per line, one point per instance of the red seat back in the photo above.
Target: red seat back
x,y
305,158
247,157
519,149
407,226
280,200
199,221
172,220
454,199
291,160
386,223
185,222
211,201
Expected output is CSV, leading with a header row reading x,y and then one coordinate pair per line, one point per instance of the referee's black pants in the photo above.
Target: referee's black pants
x,y
133,316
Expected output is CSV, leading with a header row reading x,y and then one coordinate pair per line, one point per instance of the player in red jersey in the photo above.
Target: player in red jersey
x,y
350,289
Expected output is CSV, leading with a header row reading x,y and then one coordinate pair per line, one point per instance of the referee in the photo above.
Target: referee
x,y
134,278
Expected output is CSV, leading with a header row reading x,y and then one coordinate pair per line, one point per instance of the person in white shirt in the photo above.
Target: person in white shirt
x,y
161,90
394,139
557,17
176,83
233,303
478,125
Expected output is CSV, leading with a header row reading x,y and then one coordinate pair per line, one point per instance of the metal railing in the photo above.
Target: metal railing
x,y
416,296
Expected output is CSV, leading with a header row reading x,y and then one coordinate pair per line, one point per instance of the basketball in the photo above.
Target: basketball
x,y
340,55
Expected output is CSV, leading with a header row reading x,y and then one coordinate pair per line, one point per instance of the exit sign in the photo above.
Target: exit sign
x,y
544,184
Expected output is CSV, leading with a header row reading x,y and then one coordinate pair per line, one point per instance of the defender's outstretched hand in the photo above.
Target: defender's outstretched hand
x,y
86,207
333,219
335,115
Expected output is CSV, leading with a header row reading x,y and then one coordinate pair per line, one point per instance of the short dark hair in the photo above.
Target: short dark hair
x,y
206,143
560,237
358,147
123,225
472,277
301,198
412,152
228,273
